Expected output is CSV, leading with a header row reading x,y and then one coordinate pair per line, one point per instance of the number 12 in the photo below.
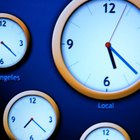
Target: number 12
x,y
111,10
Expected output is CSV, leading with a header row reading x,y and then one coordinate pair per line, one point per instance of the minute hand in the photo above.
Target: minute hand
x,y
7,48
123,60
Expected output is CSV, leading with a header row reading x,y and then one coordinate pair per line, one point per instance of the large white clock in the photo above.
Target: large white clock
x,y
96,47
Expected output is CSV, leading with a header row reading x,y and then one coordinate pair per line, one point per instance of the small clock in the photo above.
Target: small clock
x,y
31,115
14,40
105,131
96,47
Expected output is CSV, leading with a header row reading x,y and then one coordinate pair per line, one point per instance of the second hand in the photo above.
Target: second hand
x,y
118,23
108,43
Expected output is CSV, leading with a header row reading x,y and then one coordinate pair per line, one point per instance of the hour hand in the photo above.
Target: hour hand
x,y
111,55
28,123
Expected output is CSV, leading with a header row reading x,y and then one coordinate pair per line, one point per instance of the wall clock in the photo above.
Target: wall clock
x,y
31,115
96,47
105,131
14,40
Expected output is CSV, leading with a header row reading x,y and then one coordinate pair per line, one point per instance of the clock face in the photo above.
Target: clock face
x,y
105,131
96,47
14,40
40,114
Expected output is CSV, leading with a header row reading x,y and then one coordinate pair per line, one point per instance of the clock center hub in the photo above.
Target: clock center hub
x,y
108,44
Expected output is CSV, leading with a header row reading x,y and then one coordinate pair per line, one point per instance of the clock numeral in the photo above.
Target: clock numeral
x,y
50,121
21,43
106,132
31,137
70,43
111,10
1,61
33,100
13,118
106,81
3,23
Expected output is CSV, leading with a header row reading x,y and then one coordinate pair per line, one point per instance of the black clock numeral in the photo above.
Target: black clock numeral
x,y
111,6
106,132
50,121
1,61
33,100
31,137
70,43
106,81
13,119
21,43
2,23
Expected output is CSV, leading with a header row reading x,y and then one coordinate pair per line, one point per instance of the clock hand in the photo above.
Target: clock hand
x,y
7,48
111,55
118,23
108,43
32,119
38,125
123,60
28,123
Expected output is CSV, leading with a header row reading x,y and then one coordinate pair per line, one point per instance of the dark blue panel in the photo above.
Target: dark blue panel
x,y
38,72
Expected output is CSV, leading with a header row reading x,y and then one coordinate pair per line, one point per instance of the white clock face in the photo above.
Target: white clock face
x,y
32,117
13,40
105,134
105,131
96,47
89,29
